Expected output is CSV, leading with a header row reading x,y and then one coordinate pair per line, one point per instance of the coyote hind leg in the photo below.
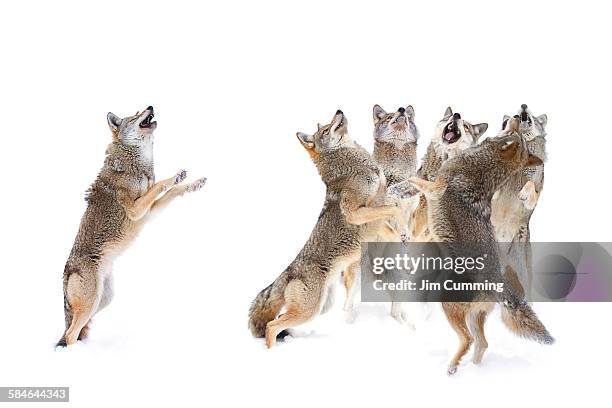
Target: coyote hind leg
x,y
350,280
82,297
477,322
302,303
456,315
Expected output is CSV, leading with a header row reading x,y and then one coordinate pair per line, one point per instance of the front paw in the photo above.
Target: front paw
x,y
180,176
528,195
196,185
527,190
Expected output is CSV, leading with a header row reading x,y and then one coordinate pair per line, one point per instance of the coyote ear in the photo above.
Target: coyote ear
x,y
533,161
378,113
448,113
505,121
479,129
319,126
410,111
114,121
542,119
422,185
306,140
509,149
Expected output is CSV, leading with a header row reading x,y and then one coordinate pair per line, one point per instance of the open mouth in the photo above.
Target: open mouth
x,y
148,122
342,121
525,119
451,133
524,116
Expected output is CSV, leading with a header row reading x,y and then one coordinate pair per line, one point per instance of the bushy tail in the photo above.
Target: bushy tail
x,y
266,306
520,319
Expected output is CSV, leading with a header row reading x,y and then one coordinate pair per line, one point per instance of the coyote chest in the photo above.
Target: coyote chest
x,y
137,185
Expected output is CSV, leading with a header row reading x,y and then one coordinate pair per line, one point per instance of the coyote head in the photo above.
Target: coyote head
x,y
476,173
508,153
530,126
136,130
328,137
454,134
396,126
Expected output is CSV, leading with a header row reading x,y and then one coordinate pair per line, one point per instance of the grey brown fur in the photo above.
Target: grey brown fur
x,y
439,149
351,214
459,210
395,146
119,203
515,201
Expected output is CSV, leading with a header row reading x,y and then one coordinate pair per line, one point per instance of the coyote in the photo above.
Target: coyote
x,y
352,213
395,145
119,203
514,203
452,135
459,211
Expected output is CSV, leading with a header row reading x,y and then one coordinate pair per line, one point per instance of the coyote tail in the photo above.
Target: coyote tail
x,y
266,306
520,318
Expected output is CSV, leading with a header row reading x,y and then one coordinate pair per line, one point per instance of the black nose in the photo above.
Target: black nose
x,y
523,107
517,116
456,116
339,112
150,108
401,110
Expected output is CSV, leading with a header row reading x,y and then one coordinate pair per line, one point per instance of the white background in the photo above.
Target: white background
x,y
231,83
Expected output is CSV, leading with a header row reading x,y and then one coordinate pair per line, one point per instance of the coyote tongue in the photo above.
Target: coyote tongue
x,y
450,136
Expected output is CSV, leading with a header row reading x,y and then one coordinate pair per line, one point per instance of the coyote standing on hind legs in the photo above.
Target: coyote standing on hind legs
x,y
459,211
452,135
395,145
350,215
514,203
119,203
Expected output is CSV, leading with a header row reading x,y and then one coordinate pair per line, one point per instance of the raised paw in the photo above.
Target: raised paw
x,y
196,185
180,176
527,190
528,195
452,369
